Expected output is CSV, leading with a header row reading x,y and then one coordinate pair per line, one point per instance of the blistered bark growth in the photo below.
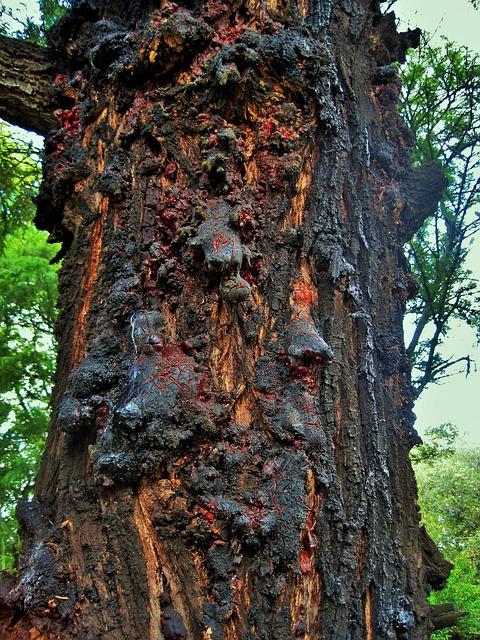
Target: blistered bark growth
x,y
228,456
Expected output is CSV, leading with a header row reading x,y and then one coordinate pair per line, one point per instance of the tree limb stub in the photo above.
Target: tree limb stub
x,y
26,73
444,616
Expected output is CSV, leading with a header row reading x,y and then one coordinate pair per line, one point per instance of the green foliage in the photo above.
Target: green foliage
x,y
28,286
449,498
439,443
22,20
50,12
441,103
463,590
18,182
28,289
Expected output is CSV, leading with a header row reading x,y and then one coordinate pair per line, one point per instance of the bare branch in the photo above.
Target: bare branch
x,y
444,616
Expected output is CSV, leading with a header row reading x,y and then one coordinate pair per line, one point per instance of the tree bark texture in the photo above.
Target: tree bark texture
x,y
26,74
228,457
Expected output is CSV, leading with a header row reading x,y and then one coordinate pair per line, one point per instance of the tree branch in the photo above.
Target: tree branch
x,y
444,616
26,74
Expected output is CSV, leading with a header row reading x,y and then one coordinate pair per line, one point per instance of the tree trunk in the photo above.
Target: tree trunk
x,y
228,457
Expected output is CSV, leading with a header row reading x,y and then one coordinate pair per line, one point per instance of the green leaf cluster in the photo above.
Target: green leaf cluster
x,y
440,101
28,290
449,498
16,18
439,443
19,175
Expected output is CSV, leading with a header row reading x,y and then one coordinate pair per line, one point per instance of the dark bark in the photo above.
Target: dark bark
x,y
437,568
424,186
27,72
444,616
228,456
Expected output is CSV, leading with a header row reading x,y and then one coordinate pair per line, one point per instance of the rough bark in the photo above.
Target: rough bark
x,y
27,72
228,457
423,187
444,616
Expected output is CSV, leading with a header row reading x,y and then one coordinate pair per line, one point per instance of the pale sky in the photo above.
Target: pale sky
x,y
456,19
456,400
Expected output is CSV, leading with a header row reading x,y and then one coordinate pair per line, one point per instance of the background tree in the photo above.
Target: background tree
x,y
30,21
449,481
28,291
440,101
228,455
19,179
439,443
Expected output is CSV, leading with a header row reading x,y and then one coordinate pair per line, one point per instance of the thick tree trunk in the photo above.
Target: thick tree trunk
x,y
233,412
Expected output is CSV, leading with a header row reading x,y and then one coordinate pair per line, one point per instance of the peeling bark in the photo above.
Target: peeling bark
x,y
228,457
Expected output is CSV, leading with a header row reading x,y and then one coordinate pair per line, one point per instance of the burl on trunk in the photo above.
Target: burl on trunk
x,y
228,455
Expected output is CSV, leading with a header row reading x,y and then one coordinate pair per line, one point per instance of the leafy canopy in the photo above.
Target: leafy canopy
x,y
28,289
448,478
19,175
440,101
16,19
439,443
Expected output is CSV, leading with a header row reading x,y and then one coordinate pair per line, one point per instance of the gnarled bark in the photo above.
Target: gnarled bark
x,y
228,456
